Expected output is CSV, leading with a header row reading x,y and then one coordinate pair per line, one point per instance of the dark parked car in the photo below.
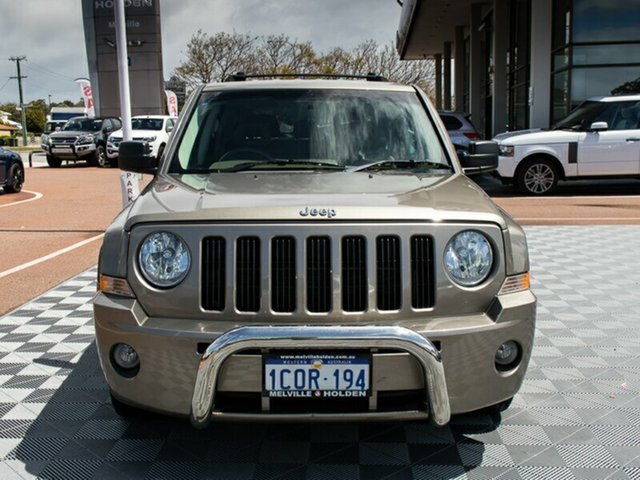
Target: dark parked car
x,y
11,170
460,129
81,138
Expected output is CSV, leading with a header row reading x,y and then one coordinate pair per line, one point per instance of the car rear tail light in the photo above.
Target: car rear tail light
x,y
471,135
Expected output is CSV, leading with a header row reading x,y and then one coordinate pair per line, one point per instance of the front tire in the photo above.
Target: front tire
x,y
537,176
15,180
101,157
125,411
160,152
53,162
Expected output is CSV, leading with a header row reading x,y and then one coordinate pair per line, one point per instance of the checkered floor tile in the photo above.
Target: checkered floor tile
x,y
576,417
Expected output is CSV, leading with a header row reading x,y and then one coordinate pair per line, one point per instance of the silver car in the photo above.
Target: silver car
x,y
312,249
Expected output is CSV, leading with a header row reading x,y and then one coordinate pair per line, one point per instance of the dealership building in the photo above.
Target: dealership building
x,y
516,64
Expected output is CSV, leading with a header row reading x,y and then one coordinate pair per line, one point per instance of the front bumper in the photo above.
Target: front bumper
x,y
72,151
176,378
507,166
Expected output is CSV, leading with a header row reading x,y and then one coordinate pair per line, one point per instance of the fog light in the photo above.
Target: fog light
x,y
125,356
507,354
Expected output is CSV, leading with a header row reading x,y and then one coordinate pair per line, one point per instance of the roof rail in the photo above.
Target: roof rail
x,y
241,76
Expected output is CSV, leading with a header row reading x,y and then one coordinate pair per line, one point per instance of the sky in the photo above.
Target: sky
x,y
50,34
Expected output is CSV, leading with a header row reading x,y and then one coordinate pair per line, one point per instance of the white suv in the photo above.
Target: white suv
x,y
152,129
599,139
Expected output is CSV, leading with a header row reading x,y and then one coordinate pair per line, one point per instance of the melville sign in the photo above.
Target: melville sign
x,y
127,3
145,56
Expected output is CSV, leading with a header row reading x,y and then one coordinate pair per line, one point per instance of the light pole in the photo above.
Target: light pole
x,y
129,181
23,116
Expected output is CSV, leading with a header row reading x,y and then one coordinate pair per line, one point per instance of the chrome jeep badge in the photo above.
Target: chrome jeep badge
x,y
318,212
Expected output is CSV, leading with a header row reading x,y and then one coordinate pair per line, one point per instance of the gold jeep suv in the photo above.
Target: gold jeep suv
x,y
312,248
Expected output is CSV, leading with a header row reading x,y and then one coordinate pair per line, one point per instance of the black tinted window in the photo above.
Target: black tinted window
x,y
451,122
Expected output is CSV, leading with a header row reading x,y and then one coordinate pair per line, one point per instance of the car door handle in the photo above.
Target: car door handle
x,y
633,139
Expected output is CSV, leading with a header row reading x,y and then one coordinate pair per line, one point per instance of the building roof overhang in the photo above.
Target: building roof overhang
x,y
426,24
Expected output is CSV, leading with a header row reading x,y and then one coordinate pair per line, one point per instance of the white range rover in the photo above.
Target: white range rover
x,y
599,139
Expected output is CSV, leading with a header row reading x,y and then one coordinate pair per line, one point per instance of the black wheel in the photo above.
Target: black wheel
x,y
124,410
15,180
502,406
53,162
101,158
160,152
537,176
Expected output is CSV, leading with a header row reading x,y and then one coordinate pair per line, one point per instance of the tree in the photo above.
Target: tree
x,y
36,115
213,57
628,88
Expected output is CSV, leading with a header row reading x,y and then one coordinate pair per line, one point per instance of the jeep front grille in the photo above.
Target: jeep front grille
x,y
283,274
389,291
213,273
248,274
317,274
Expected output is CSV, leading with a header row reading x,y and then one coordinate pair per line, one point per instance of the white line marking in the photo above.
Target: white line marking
x,y
50,256
574,219
38,196
575,197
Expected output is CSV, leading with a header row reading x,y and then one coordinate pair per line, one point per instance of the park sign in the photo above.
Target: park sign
x,y
144,44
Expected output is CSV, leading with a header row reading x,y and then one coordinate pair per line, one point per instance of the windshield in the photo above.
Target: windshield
x,y
83,125
583,116
294,128
146,123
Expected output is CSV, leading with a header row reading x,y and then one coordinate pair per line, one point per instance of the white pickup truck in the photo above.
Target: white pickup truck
x,y
152,129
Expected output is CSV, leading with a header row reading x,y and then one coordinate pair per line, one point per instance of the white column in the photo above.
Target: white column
x,y
476,65
458,84
500,46
447,75
438,60
128,181
540,91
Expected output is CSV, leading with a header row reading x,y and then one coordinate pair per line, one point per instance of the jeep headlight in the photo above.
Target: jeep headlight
x,y
149,139
468,258
85,139
507,150
164,259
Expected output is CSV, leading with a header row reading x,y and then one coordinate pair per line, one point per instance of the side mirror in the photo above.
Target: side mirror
x,y
482,157
599,126
136,157
169,128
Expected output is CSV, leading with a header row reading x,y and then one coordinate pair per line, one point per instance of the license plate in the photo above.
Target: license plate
x,y
317,375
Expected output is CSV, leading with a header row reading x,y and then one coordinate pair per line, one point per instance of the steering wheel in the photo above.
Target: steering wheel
x,y
251,151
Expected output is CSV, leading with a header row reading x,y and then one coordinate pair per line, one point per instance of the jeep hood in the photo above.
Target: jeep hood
x,y
282,196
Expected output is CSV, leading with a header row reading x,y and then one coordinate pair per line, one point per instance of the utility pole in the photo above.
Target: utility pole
x,y
23,115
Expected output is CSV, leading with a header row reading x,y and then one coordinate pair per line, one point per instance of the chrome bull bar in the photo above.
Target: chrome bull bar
x,y
331,337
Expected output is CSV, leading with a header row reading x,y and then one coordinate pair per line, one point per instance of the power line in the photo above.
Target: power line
x,y
5,83
50,72
22,112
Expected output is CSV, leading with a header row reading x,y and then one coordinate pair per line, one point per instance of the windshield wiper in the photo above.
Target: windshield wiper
x,y
240,167
398,164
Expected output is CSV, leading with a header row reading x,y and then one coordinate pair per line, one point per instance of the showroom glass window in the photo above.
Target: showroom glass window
x,y
596,51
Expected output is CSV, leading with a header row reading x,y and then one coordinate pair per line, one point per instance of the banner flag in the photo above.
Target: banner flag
x,y
172,103
87,96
